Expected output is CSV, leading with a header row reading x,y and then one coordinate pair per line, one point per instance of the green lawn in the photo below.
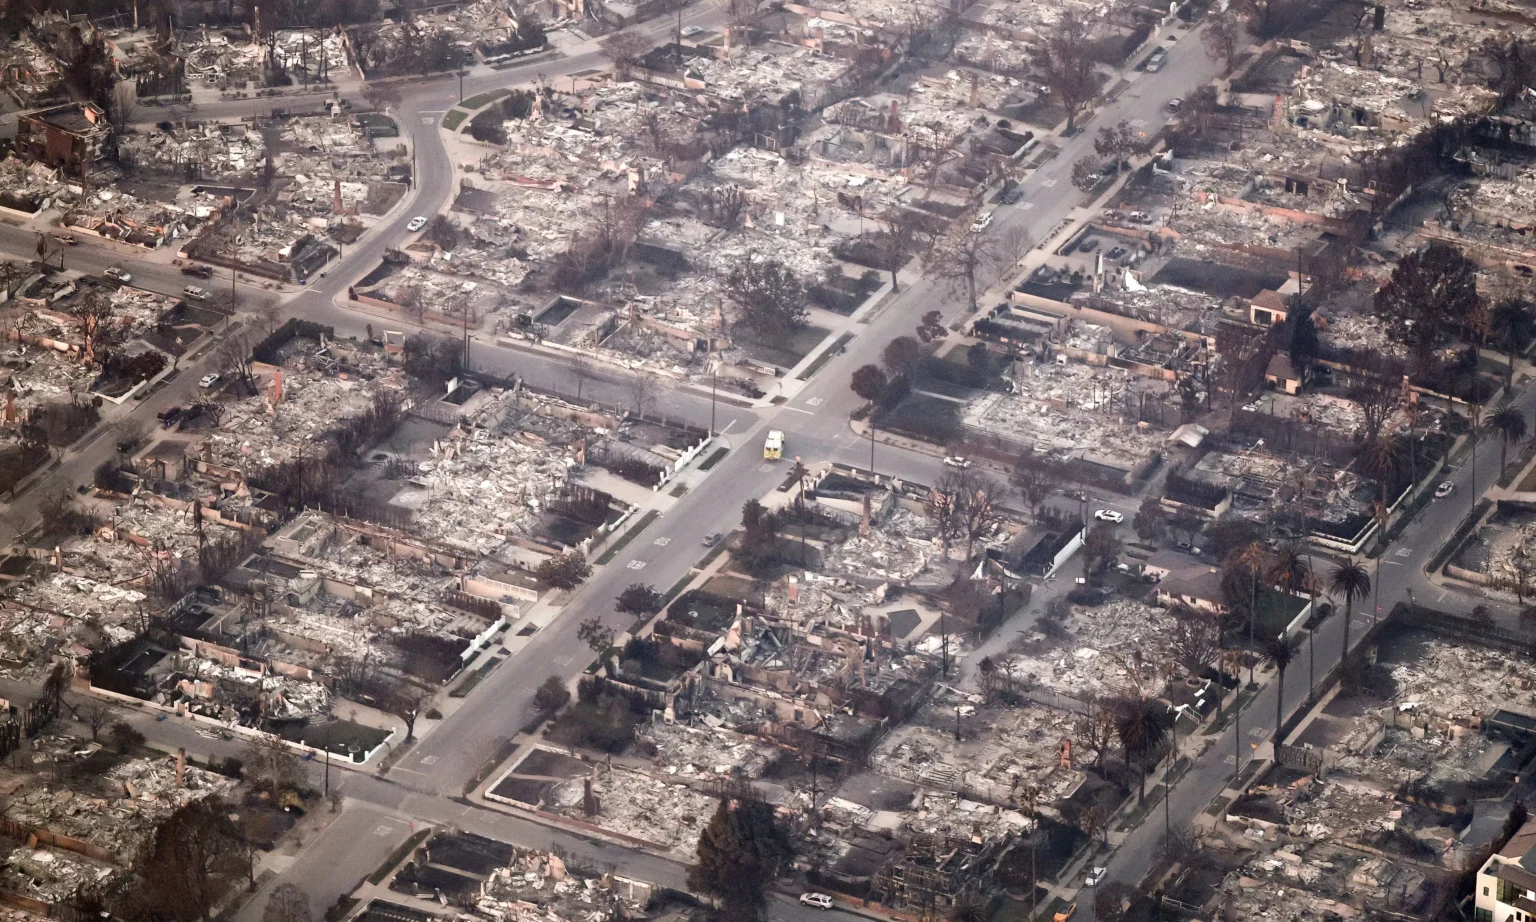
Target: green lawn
x,y
484,99
454,119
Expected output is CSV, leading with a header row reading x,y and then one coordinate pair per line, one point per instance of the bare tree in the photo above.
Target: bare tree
x,y
236,361
581,371
268,318
287,904
972,251
97,716
625,49
1196,638
270,763
93,310
1224,37
1064,59
642,392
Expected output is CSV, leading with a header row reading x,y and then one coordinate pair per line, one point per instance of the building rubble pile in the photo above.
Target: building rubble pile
x,y
282,697
771,70
1339,415
631,803
1060,409
256,432
449,294
1361,331
1004,751
704,752
1115,648
898,549
323,155
1459,682
123,809
212,149
822,600
39,376
484,489
1172,307
540,887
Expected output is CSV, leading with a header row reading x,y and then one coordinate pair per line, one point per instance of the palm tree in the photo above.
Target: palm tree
x,y
1141,726
1280,652
969,908
1510,424
1350,579
1029,805
1381,459
1251,557
1289,568
1512,324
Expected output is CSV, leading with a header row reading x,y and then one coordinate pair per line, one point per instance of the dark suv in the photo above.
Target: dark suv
x,y
202,272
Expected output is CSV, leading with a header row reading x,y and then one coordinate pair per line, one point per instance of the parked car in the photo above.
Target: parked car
x,y
169,418
68,240
1065,914
201,272
117,275
1156,60
1109,515
1175,104
691,31
1115,254
1445,489
417,223
712,539
194,293
209,380
819,900
1094,876
956,461
1088,246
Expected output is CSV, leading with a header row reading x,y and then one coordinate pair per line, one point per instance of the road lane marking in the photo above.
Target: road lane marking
x,y
798,410
662,542
728,427
429,760
1404,551
815,402
635,565
1048,183
383,830
765,468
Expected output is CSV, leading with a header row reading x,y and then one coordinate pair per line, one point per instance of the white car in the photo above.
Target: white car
x,y
1109,515
417,223
117,275
819,900
956,461
1094,876
195,293
209,380
1445,489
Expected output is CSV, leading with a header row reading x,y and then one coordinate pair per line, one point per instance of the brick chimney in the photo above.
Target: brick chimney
x,y
181,764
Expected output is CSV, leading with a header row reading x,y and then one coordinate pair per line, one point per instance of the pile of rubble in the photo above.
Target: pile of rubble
x,y
629,804
1060,409
1118,647
1459,682
705,752
898,549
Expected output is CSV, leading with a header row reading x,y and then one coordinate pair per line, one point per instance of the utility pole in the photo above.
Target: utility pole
x,y
871,446
714,374
461,84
